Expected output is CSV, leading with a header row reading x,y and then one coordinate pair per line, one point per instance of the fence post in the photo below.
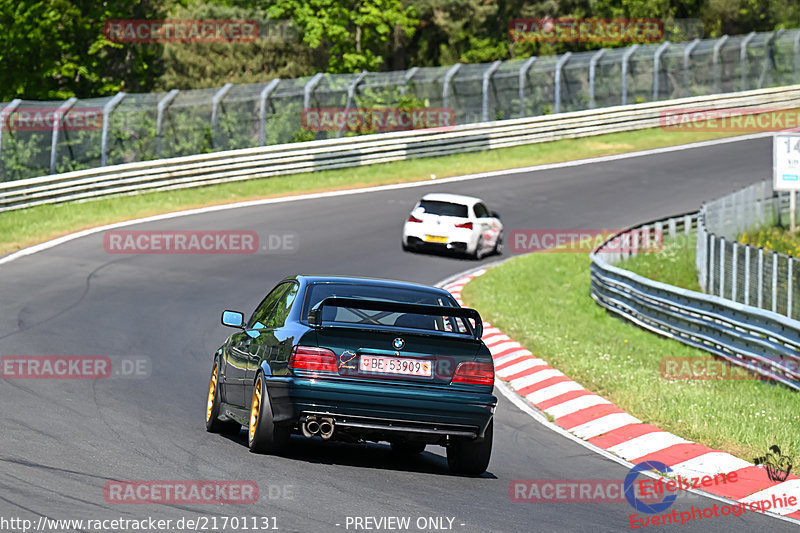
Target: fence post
x,y
746,274
486,79
263,98
107,110
722,267
760,278
657,67
162,107
351,93
774,282
672,228
215,102
687,53
717,74
523,72
5,113
592,72
625,57
407,78
734,265
711,264
309,88
743,58
768,54
559,66
446,84
789,293
62,110
797,57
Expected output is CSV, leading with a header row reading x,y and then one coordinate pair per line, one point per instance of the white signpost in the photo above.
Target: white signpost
x,y
786,169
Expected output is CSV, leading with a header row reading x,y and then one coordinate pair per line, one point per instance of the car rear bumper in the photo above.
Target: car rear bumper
x,y
419,244
378,407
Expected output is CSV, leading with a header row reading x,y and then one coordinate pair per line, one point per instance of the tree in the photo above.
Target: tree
x,y
355,32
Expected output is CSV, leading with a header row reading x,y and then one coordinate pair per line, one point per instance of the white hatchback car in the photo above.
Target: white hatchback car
x,y
453,222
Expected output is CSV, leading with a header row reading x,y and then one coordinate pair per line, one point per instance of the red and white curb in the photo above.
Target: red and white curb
x,y
596,420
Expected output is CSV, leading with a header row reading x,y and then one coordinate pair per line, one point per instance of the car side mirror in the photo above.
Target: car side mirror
x,y
233,319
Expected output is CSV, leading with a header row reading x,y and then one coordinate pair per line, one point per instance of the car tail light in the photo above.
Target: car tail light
x,y
412,218
465,225
310,358
474,374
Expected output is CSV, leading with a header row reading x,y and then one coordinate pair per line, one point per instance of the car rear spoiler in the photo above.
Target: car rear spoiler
x,y
315,314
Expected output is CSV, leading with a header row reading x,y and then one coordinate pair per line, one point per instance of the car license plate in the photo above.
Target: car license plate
x,y
395,365
435,238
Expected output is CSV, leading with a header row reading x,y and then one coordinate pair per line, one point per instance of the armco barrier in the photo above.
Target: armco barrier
x,y
262,162
760,340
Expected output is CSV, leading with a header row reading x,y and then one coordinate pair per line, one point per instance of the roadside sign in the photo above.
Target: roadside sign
x,y
786,162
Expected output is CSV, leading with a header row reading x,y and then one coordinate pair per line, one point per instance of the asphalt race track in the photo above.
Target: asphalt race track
x,y
62,440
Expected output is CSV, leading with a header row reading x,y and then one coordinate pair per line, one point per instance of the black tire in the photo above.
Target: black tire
x,y
213,423
406,248
408,448
477,255
471,457
498,245
263,435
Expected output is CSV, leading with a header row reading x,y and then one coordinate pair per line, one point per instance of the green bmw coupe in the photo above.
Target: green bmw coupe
x,y
357,359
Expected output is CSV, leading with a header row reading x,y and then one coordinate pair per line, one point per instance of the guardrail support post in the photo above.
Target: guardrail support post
x,y
624,61
163,104
743,58
760,299
309,88
722,267
446,84
523,72
559,66
487,75
263,98
711,264
107,110
407,78
4,114
215,111
747,275
62,110
687,53
774,282
657,67
717,68
592,74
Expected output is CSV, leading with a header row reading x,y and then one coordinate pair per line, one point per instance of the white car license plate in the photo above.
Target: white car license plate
x,y
395,365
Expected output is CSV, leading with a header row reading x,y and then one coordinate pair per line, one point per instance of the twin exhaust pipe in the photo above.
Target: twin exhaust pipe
x,y
323,427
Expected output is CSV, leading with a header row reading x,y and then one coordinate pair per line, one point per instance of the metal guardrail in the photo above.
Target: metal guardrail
x,y
756,339
262,162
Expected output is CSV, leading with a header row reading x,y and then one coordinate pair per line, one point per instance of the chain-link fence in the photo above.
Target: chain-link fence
x,y
740,272
38,138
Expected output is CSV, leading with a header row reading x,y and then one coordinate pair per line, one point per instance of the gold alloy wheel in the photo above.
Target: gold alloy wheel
x,y
212,390
255,408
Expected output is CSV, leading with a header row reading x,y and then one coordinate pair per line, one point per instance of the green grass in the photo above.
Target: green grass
x,y
674,264
775,238
543,302
25,227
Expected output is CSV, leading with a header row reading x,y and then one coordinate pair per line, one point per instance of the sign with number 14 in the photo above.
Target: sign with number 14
x,y
786,162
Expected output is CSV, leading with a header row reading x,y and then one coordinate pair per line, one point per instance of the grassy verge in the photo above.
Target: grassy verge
x,y
543,302
25,227
674,264
774,238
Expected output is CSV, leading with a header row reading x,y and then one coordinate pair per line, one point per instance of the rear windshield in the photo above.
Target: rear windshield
x,y
319,291
445,209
